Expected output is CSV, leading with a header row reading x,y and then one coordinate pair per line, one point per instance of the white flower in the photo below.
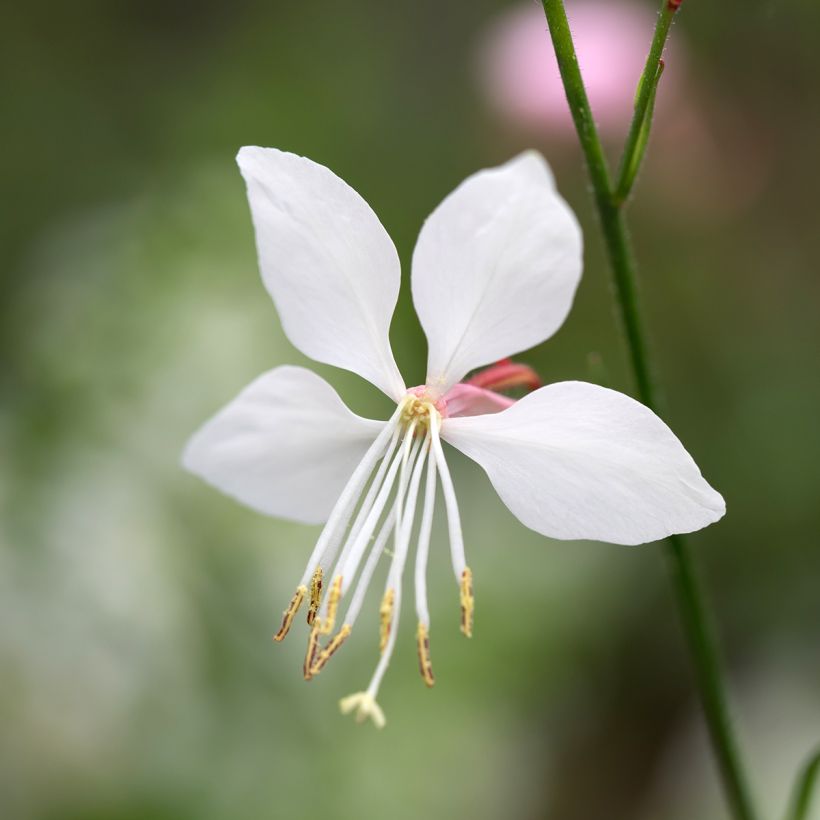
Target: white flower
x,y
494,272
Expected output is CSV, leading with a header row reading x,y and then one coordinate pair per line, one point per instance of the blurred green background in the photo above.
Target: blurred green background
x,y
137,676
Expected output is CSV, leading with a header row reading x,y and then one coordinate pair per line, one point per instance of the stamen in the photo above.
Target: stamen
x,y
290,613
370,499
327,653
336,524
467,602
386,617
315,595
423,549
350,567
333,597
310,654
450,502
396,570
405,456
423,644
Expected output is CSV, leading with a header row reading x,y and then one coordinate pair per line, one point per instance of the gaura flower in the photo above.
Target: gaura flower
x,y
494,272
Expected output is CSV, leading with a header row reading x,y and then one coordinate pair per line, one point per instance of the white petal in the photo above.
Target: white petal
x,y
285,445
328,263
495,268
574,460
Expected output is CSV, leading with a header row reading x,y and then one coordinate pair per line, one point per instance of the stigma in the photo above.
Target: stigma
x,y
385,510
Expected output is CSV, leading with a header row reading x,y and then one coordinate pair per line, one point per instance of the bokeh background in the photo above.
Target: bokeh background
x,y
137,675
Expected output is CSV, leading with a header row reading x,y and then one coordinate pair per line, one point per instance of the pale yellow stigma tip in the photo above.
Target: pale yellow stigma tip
x,y
290,613
386,617
315,595
365,706
423,644
467,602
327,653
310,654
334,595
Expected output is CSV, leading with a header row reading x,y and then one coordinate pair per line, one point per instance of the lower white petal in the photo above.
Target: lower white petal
x,y
285,445
574,460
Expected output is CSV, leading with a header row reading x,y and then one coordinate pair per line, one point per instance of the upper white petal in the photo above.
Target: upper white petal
x,y
574,460
328,263
495,268
285,445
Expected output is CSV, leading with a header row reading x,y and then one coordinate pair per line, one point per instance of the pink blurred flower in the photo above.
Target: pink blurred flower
x,y
519,72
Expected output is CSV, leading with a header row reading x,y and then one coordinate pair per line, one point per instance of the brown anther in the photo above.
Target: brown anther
x,y
290,613
334,595
315,594
327,653
467,602
386,617
423,645
310,654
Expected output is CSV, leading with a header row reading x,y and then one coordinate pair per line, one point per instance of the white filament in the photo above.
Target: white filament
x,y
370,566
404,531
408,438
378,547
340,516
450,502
367,504
359,544
423,549
396,571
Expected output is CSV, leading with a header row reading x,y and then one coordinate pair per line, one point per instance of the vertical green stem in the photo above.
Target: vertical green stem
x,y
688,593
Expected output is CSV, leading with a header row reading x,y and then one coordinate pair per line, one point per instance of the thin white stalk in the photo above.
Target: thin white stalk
x,y
367,504
450,502
339,517
369,568
403,534
423,549
348,569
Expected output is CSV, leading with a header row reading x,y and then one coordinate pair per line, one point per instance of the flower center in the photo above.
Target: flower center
x,y
416,407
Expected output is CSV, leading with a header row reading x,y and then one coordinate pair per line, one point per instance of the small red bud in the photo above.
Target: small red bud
x,y
674,5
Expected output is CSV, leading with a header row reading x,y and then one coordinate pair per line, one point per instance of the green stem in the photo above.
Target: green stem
x,y
690,600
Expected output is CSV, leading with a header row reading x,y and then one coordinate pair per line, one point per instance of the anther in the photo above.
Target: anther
x,y
290,613
386,617
310,654
315,594
327,653
423,644
333,598
467,602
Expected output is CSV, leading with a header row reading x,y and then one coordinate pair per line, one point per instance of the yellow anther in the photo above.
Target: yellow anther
x,y
315,594
310,654
290,613
423,644
467,602
386,617
333,598
327,653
